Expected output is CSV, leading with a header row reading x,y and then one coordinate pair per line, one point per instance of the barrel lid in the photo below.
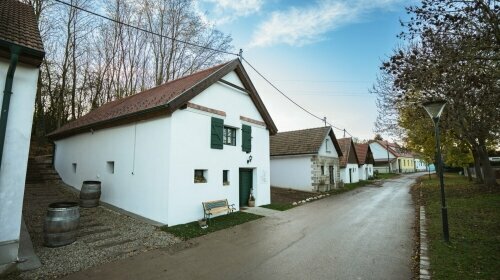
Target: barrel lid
x,y
63,204
91,182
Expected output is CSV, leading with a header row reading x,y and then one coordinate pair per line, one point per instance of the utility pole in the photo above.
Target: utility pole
x,y
240,54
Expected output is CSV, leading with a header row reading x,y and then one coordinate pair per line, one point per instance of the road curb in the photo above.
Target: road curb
x,y
424,256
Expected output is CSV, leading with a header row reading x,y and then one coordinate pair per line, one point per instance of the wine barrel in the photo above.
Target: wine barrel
x,y
61,224
90,194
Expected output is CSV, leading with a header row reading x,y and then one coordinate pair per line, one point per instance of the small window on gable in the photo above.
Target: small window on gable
x,y
110,166
322,170
74,167
229,136
327,148
225,177
200,175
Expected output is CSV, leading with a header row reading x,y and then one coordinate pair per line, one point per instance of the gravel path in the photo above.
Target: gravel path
x,y
103,235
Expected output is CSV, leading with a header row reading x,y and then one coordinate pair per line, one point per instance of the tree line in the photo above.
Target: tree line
x,y
450,51
90,60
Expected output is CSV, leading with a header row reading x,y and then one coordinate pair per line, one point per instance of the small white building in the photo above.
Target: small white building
x,y
366,161
349,162
390,157
305,160
420,165
162,152
21,53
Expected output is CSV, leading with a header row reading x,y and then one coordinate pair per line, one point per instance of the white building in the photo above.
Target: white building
x,y
21,52
349,162
366,161
162,152
305,160
420,165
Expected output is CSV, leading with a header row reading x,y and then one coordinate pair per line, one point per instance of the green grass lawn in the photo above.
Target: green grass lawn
x,y
192,230
474,224
387,175
278,206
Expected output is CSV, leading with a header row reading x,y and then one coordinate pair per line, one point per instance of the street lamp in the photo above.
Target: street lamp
x,y
435,109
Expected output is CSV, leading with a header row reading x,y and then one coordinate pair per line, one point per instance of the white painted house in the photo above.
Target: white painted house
x,y
162,152
21,52
305,160
366,161
385,158
420,165
349,162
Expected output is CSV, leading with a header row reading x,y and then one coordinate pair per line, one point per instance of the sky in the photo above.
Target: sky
x,y
323,54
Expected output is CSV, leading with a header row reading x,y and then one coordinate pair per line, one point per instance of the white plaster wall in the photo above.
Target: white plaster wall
x,y
190,142
140,152
16,147
420,165
362,172
344,173
380,152
370,169
292,172
327,149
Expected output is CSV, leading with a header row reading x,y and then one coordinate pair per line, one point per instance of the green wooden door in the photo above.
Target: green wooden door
x,y
246,177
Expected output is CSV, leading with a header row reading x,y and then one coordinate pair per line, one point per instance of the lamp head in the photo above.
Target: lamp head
x,y
434,108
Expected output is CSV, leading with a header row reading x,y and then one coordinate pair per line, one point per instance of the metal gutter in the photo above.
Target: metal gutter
x,y
14,58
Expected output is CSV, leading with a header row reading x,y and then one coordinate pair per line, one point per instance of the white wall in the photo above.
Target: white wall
x,y
327,149
191,150
420,165
140,180
292,172
344,173
16,148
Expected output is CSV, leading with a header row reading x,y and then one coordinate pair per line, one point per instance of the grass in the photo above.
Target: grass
x,y
387,175
474,223
193,229
278,206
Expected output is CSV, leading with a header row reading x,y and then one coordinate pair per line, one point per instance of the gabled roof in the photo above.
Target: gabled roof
x,y
364,153
19,27
162,100
301,142
394,148
347,147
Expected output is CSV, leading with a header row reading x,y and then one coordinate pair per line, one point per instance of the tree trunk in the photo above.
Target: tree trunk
x,y
477,165
489,175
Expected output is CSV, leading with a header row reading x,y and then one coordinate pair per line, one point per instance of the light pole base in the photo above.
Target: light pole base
x,y
446,232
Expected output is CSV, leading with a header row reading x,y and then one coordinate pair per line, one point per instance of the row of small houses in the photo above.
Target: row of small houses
x,y
162,152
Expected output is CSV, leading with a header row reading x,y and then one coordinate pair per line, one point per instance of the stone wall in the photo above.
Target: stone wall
x,y
322,182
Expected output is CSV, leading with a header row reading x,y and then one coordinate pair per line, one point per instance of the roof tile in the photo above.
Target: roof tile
x,y
18,25
298,142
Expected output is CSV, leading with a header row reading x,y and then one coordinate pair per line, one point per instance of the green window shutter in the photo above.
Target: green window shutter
x,y
246,143
216,133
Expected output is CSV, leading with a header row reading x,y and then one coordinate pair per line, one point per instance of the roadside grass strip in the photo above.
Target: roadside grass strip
x,y
474,224
193,229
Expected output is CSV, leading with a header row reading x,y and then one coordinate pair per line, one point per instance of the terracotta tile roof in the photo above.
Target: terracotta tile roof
x,y
18,25
160,100
346,145
300,142
362,151
395,149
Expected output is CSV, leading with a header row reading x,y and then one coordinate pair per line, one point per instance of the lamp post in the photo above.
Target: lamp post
x,y
435,109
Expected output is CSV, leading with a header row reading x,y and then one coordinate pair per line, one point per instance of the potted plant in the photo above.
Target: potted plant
x,y
203,223
251,200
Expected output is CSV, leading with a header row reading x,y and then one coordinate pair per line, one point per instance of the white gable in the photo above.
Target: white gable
x,y
380,152
327,148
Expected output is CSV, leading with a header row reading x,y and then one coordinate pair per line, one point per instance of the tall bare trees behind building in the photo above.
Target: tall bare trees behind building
x,y
90,60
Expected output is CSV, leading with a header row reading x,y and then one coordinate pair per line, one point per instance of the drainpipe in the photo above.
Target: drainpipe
x,y
14,56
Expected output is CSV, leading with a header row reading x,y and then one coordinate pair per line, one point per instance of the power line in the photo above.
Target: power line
x,y
143,30
291,100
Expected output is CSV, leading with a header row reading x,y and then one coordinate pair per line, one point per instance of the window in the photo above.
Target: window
x,y
110,166
225,177
200,175
246,138
326,146
74,167
322,170
229,136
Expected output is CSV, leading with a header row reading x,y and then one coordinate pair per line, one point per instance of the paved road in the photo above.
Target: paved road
x,y
363,234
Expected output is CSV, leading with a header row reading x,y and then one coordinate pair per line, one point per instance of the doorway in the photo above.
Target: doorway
x,y
246,183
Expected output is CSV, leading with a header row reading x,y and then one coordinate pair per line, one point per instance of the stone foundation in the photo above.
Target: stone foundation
x,y
322,182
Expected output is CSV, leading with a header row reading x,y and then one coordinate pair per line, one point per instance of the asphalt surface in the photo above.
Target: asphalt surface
x,y
362,234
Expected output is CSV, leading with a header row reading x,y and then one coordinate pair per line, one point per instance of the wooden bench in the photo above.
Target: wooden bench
x,y
215,207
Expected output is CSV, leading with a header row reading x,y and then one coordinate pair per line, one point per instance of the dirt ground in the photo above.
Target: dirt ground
x,y
285,196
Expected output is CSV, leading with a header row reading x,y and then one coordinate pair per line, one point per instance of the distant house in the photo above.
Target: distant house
x,y
420,164
366,161
390,157
349,162
21,53
162,152
306,160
